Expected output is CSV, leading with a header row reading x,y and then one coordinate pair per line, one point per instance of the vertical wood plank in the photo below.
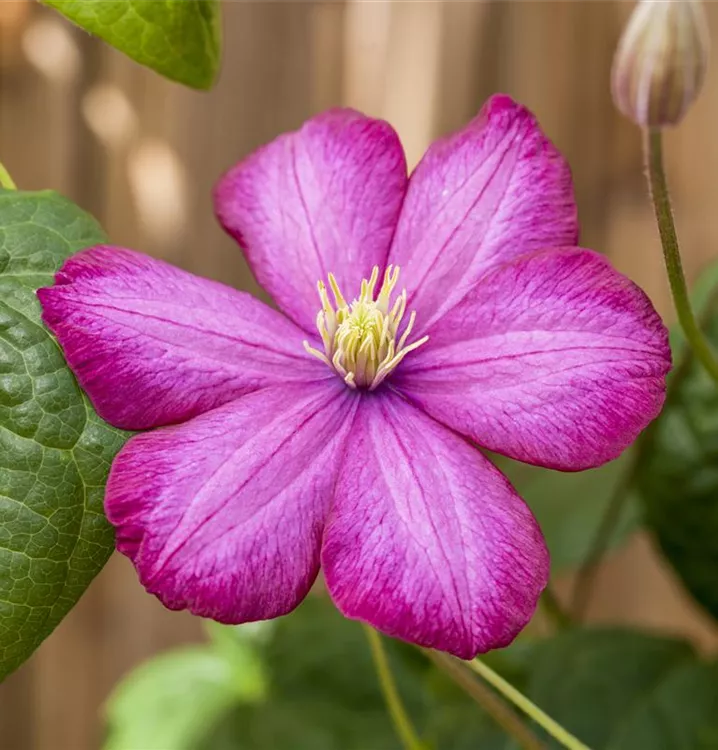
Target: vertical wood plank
x,y
327,24
468,62
17,719
557,61
367,38
412,74
265,89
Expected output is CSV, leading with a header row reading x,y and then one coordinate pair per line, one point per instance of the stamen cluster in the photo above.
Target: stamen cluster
x,y
361,339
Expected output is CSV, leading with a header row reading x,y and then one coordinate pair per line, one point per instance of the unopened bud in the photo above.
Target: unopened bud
x,y
661,61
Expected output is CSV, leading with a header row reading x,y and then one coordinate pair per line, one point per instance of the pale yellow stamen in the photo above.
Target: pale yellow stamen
x,y
360,340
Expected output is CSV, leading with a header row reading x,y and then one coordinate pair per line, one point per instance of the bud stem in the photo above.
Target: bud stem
x,y
658,187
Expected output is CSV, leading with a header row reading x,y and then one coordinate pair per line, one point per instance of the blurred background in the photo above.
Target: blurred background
x,y
142,155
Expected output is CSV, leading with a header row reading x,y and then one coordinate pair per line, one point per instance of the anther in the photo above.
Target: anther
x,y
362,341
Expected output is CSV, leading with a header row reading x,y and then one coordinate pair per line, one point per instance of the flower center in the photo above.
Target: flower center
x,y
361,340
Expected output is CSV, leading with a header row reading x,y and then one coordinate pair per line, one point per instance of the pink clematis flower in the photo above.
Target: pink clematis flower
x,y
340,433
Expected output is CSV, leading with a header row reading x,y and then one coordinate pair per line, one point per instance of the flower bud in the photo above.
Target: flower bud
x,y
661,61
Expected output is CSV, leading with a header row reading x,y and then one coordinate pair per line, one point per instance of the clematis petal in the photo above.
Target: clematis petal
x,y
427,541
223,515
555,359
152,344
323,199
494,190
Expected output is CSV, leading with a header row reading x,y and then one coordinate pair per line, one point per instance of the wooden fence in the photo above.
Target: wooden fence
x,y
142,155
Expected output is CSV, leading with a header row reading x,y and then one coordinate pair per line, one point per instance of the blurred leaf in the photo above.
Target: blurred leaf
x,y
324,694
318,691
592,681
316,644
238,646
681,713
457,723
303,725
570,506
54,451
172,701
180,39
678,475
514,662
324,691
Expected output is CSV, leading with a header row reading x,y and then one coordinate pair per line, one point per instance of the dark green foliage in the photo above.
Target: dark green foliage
x,y
594,681
54,451
678,475
681,713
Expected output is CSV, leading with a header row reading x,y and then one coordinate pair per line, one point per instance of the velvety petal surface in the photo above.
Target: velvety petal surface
x,y
555,359
223,515
427,541
323,199
152,344
494,190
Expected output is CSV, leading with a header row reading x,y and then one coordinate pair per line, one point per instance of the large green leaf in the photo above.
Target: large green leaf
x,y
593,681
680,714
180,39
570,506
678,475
54,451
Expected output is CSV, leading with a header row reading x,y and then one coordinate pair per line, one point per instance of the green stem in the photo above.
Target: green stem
x,y
653,153
524,704
5,179
509,721
399,716
554,609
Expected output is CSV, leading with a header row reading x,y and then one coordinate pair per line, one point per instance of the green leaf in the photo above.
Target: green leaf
x,y
678,474
680,714
239,647
54,451
180,39
570,506
172,701
592,681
